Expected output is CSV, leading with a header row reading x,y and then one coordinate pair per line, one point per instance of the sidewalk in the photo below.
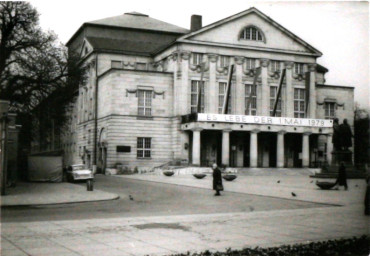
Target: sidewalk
x,y
25,194
165,235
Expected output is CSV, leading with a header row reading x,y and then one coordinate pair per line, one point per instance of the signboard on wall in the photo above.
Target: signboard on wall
x,y
269,120
123,149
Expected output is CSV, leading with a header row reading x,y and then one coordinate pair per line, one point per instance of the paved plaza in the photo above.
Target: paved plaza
x,y
313,215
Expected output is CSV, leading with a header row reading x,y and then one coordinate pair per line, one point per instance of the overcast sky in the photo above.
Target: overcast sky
x,y
340,30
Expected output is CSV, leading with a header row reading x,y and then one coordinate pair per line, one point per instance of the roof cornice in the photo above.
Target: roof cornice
x,y
244,47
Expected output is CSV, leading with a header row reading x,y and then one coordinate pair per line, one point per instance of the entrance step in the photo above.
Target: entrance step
x,y
178,170
332,172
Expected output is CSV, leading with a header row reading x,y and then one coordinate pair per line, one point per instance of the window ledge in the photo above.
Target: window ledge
x,y
144,118
144,158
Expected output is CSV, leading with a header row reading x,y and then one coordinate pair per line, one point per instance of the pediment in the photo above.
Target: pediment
x,y
228,31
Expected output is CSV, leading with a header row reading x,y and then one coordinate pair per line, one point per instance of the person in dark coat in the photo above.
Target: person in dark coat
x,y
337,142
342,176
346,135
217,179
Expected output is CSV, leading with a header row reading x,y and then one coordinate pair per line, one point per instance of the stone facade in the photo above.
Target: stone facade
x,y
143,96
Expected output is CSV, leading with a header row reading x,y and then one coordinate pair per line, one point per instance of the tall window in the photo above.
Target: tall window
x,y
221,97
250,63
274,65
197,58
144,146
224,61
298,68
273,94
250,89
329,110
299,102
251,33
145,102
194,96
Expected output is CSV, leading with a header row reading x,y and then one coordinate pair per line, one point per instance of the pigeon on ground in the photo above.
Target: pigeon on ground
x,y
356,186
293,194
131,198
278,181
311,181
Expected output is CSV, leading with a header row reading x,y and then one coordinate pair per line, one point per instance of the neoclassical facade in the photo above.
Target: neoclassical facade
x,y
156,93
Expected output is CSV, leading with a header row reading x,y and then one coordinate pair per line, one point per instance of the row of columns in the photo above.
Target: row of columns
x,y
253,153
263,93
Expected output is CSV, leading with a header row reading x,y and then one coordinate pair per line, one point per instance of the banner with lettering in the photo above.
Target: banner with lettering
x,y
287,121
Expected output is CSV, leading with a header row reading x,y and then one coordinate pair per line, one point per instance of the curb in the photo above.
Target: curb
x,y
74,202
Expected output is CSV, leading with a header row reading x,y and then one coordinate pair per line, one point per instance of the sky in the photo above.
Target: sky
x,y
339,29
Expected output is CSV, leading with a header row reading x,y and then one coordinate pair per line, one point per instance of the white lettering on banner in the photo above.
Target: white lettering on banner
x,y
288,121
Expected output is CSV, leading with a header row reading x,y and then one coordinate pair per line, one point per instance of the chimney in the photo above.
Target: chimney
x,y
196,22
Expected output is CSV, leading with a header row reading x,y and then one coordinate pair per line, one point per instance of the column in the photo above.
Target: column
x,y
184,100
253,151
312,100
239,88
176,83
280,149
305,150
264,99
329,148
213,86
226,147
196,146
289,93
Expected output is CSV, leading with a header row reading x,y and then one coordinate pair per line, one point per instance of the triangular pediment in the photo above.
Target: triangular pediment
x,y
227,32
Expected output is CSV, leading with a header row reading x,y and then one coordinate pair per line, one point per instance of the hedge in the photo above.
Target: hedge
x,y
356,246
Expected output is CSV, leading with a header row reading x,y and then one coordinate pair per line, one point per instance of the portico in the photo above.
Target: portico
x,y
245,143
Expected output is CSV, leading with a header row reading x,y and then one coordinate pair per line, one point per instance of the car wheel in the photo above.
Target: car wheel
x,y
89,184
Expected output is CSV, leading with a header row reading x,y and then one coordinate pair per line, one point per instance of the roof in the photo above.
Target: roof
x,y
127,46
336,86
262,15
139,21
321,69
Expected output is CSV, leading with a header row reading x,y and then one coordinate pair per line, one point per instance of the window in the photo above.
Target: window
x,y
299,102
224,61
144,146
194,96
274,65
273,94
221,97
250,63
298,68
197,58
116,64
250,89
329,110
145,102
251,33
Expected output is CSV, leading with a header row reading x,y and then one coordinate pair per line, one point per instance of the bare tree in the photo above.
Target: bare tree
x,y
32,64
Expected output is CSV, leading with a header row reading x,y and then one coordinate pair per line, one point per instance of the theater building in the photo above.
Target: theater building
x,y
156,93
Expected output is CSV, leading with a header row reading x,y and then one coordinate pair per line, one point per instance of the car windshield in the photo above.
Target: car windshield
x,y
78,167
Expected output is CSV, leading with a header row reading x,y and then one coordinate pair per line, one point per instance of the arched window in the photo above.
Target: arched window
x,y
252,33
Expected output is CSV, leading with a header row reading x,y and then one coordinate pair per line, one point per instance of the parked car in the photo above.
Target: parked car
x,y
77,172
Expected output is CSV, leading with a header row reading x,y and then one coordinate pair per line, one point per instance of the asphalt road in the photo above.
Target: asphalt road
x,y
150,199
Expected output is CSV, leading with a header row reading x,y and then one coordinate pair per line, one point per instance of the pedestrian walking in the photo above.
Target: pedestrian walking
x,y
342,177
217,179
